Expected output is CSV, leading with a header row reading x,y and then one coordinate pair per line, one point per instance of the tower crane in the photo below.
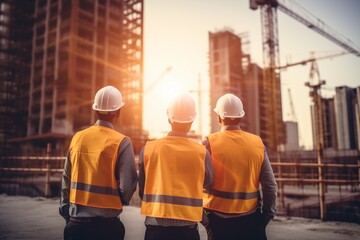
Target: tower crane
x,y
314,84
271,60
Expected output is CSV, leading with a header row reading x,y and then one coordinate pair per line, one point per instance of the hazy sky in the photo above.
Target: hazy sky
x,y
176,35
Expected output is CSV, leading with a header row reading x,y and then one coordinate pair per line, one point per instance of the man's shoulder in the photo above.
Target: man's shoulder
x,y
253,138
251,134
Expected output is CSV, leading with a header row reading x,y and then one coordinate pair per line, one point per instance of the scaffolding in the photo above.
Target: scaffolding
x,y
76,48
16,21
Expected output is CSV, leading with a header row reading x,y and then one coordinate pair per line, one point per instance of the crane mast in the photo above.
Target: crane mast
x,y
273,109
315,87
272,93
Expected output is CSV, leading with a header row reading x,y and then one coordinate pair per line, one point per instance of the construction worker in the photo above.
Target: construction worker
x,y
173,171
233,206
99,175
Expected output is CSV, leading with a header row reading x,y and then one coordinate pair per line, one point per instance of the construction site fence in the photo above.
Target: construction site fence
x,y
17,169
308,173
42,175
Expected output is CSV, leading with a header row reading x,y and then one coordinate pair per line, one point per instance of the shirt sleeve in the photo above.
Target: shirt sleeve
x,y
269,188
209,172
206,143
125,172
65,189
141,174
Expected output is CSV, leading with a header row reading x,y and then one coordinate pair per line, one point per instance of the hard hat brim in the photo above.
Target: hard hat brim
x,y
107,110
242,114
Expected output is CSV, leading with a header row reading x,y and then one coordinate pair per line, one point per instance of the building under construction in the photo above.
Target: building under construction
x,y
74,47
225,68
16,27
231,71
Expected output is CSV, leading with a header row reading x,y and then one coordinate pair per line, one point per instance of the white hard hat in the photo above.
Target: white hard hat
x,y
108,99
229,106
181,109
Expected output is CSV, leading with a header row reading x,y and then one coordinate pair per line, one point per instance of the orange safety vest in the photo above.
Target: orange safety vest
x,y
237,157
174,170
93,154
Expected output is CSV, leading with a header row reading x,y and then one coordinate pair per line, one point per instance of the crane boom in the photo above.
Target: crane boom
x,y
320,27
311,59
312,22
270,42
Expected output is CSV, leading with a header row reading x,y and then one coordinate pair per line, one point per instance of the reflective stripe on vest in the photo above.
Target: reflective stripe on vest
x,y
234,195
93,155
237,158
94,189
174,175
173,200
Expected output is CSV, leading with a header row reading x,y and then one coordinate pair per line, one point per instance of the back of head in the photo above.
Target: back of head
x,y
181,109
229,106
108,100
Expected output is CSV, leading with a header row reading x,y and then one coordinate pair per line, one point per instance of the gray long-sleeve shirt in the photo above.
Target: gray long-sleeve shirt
x,y
267,181
208,179
125,174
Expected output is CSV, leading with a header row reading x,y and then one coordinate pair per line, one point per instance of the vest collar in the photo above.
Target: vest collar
x,y
230,127
104,124
177,134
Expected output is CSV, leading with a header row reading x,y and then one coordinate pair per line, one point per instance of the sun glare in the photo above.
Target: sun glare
x,y
169,90
156,100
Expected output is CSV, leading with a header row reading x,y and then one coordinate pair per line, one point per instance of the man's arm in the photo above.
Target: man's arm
x,y
65,190
206,143
126,171
209,172
141,174
269,189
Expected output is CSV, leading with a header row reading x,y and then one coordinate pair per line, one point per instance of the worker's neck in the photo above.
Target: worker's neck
x,y
180,127
230,127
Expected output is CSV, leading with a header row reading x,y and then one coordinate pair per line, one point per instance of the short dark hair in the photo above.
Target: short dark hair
x,y
231,121
110,116
181,127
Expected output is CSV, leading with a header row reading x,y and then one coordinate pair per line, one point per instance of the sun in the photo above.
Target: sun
x,y
170,89
156,101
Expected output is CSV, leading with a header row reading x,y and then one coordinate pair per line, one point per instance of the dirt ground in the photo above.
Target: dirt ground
x,y
38,218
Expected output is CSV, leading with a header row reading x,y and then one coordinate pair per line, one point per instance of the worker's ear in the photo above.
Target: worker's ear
x,y
115,116
118,113
220,121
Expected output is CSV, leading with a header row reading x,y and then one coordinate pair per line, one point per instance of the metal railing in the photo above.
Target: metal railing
x,y
318,180
35,171
47,170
